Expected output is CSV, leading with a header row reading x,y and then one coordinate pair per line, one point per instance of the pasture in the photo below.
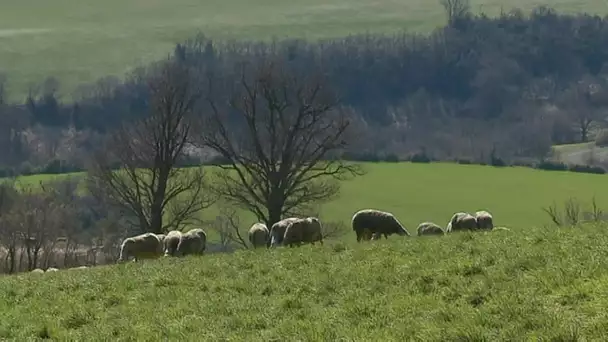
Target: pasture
x,y
433,192
80,41
524,284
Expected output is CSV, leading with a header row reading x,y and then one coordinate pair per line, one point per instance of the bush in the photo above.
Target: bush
x,y
587,169
420,157
548,165
601,139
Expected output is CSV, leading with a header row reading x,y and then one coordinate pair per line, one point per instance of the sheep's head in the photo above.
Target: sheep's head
x,y
402,231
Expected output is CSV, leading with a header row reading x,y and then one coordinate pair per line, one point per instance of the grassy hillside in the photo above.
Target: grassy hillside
x,y
581,153
78,41
501,285
421,192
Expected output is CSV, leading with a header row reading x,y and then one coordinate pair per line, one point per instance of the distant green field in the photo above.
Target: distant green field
x,y
421,192
79,41
541,285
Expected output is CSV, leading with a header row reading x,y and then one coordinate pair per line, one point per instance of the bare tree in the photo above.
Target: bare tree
x,y
584,103
456,9
148,185
277,129
9,230
227,224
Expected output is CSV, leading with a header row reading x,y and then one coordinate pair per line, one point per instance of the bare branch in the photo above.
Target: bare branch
x,y
277,129
148,184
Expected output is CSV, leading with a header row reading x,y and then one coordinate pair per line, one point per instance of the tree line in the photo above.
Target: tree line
x,y
517,83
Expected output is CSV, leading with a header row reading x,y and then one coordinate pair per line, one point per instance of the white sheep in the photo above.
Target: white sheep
x,y
307,230
429,228
484,220
277,231
171,242
192,242
259,235
144,246
52,269
461,221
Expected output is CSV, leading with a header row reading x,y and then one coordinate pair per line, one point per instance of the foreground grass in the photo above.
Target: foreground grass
x,y
79,41
502,285
433,192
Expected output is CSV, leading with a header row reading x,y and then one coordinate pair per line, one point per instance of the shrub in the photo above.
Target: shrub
x,y
548,165
420,157
586,169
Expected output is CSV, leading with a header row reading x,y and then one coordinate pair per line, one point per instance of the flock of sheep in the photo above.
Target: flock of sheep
x,y
368,224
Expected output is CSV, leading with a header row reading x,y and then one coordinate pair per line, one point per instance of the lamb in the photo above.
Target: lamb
x,y
161,237
484,220
52,269
461,221
37,270
373,222
192,242
171,242
429,228
259,235
277,231
144,246
307,230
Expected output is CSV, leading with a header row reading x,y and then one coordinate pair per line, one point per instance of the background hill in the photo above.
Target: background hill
x,y
79,42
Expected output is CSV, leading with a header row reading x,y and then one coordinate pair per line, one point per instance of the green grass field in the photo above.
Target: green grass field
x,y
79,41
421,192
533,284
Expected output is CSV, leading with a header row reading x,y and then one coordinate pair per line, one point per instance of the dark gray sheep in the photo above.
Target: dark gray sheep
x,y
368,223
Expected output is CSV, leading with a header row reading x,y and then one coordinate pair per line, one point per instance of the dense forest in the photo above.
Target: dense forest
x,y
477,89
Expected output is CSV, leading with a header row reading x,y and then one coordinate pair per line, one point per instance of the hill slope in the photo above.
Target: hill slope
x,y
79,41
483,286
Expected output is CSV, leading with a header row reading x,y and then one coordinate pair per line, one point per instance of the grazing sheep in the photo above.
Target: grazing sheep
x,y
37,270
429,228
461,221
259,235
52,269
484,220
171,241
307,230
277,231
373,222
144,246
192,242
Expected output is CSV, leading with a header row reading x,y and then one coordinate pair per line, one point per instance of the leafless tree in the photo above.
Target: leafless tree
x,y
278,131
456,9
148,185
9,230
227,225
585,102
